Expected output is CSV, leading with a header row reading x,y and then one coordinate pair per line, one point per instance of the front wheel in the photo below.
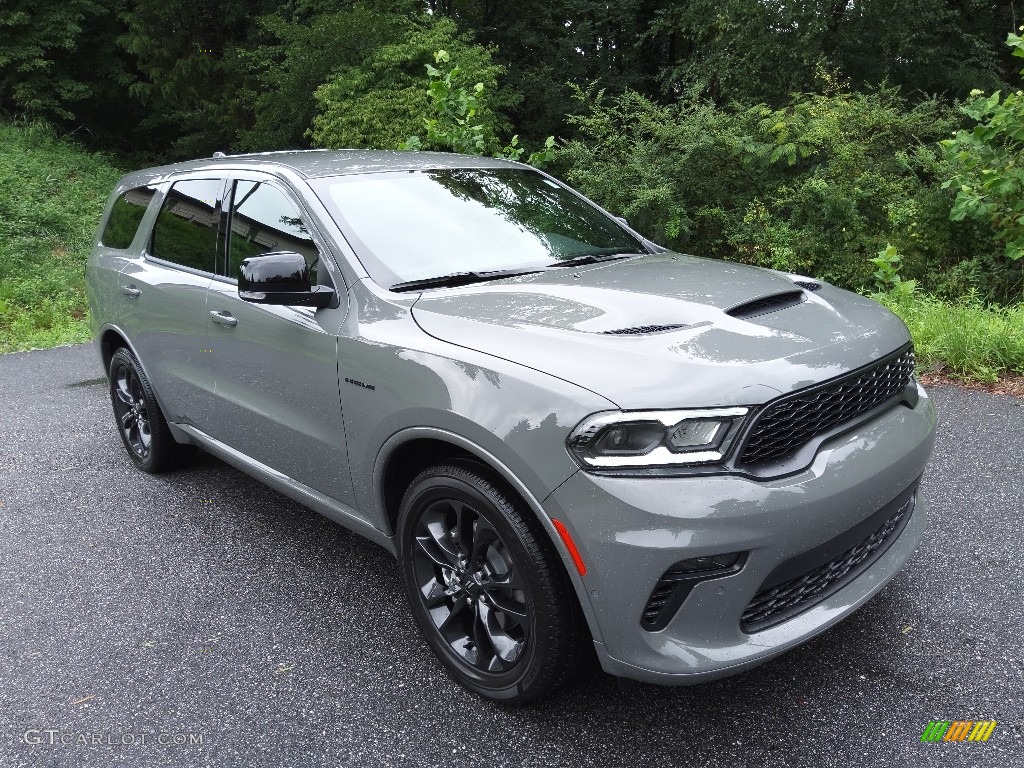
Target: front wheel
x,y
486,586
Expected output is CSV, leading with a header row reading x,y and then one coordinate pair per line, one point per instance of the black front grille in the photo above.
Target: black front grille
x,y
789,423
784,601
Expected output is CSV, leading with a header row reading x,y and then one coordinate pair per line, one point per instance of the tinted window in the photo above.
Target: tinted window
x,y
125,217
430,223
186,228
263,220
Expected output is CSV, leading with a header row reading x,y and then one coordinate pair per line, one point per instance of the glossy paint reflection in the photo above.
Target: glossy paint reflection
x,y
557,322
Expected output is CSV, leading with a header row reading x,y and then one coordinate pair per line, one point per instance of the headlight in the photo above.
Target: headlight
x,y
655,438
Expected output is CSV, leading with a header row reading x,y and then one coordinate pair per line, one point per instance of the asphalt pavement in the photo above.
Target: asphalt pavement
x,y
201,619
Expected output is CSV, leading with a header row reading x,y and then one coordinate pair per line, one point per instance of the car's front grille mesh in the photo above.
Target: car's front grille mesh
x,y
783,601
791,422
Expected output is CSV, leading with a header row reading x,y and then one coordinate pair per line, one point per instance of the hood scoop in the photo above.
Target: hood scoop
x,y
644,329
767,304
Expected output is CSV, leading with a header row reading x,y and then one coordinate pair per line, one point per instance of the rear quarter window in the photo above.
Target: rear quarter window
x,y
125,217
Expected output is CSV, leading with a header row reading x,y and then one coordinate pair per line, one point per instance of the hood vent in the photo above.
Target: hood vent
x,y
767,304
808,285
642,329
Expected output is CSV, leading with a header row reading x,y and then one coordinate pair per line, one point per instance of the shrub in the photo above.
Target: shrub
x,y
381,101
988,171
459,120
817,187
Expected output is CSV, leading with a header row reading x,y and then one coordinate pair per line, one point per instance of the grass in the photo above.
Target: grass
x,y
52,193
964,339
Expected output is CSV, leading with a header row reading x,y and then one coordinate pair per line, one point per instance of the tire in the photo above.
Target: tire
x,y
140,422
486,586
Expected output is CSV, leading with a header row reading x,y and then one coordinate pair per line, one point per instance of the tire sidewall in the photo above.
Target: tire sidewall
x,y
123,358
445,485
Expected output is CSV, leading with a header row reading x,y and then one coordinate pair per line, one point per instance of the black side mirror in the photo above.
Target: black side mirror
x,y
281,277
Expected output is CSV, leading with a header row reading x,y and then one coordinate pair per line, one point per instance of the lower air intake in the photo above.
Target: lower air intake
x,y
790,598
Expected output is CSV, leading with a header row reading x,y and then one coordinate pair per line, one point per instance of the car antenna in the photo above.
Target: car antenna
x,y
219,154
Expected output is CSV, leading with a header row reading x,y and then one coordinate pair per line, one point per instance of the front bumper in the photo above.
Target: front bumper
x,y
630,531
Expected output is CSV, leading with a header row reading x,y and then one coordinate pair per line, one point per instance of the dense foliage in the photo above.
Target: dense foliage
x,y
182,77
383,101
989,164
803,136
818,186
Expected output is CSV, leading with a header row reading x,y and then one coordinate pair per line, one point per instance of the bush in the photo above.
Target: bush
x,y
459,119
988,173
381,101
296,54
817,187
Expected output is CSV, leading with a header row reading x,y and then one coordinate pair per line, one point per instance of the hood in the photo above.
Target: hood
x,y
668,330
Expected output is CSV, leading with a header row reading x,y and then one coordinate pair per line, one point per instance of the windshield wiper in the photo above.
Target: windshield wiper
x,y
592,258
458,278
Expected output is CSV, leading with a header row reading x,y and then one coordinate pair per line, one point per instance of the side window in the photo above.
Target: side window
x,y
125,217
264,220
186,228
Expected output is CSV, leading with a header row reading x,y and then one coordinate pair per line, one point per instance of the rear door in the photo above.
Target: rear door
x,y
276,367
163,295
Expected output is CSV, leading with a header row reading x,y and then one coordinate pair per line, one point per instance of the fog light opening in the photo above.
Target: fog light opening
x,y
677,582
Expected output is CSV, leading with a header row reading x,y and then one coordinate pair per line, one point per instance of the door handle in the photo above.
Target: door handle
x,y
131,292
224,318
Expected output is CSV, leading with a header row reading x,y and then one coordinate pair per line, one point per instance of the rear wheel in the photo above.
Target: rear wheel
x,y
486,585
140,422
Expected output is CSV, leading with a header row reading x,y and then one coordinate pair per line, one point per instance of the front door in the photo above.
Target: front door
x,y
276,367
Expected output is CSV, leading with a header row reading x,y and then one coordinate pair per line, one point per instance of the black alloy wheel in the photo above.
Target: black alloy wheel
x,y
131,411
470,586
140,422
486,585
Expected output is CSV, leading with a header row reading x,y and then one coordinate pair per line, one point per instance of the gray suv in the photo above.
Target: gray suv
x,y
569,437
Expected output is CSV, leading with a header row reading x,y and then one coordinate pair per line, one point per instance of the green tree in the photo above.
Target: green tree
x,y
381,101
295,51
758,50
459,119
188,75
546,44
989,164
57,57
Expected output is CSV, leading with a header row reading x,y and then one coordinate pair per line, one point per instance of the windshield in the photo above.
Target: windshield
x,y
412,225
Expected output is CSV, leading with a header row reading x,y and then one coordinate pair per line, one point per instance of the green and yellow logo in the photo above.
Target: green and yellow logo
x,y
958,730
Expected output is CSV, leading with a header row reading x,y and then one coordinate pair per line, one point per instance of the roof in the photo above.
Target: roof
x,y
315,163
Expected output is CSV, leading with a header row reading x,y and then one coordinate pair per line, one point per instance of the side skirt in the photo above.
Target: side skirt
x,y
327,506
